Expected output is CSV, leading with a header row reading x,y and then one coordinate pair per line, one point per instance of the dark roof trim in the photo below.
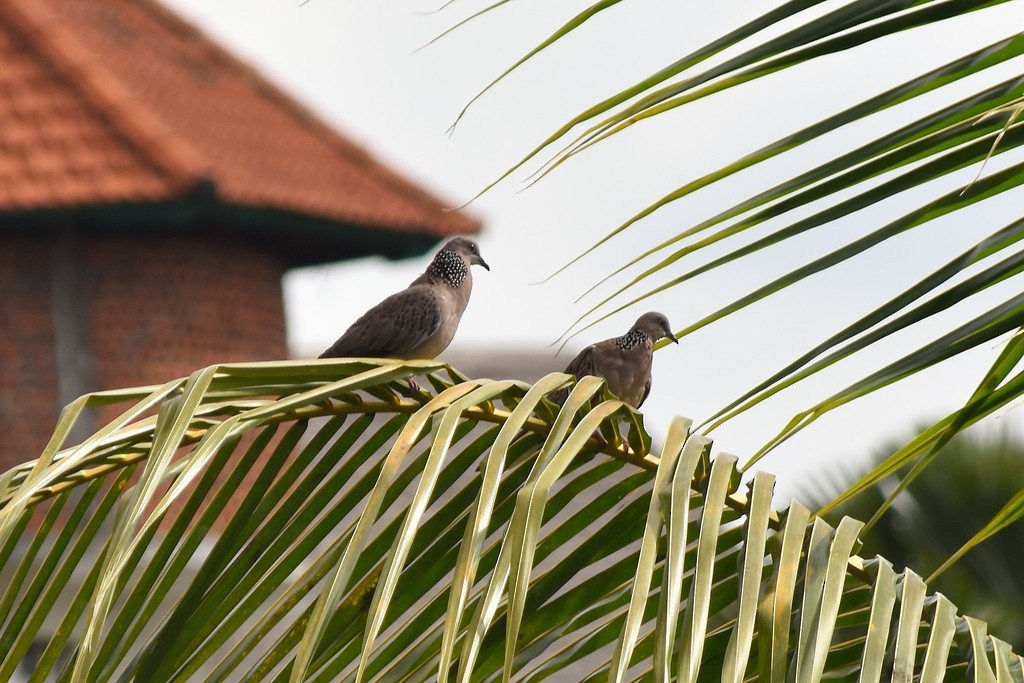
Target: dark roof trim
x,y
316,240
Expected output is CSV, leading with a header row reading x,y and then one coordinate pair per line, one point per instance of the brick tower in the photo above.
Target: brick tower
x,y
153,191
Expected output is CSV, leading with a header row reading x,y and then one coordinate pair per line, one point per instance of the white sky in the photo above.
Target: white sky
x,y
356,63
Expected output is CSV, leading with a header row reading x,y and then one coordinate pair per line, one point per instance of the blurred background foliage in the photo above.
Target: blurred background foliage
x,y
969,482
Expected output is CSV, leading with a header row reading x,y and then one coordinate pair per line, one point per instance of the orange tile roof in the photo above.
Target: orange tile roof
x,y
106,102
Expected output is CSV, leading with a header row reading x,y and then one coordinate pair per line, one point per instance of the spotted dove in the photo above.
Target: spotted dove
x,y
624,362
421,320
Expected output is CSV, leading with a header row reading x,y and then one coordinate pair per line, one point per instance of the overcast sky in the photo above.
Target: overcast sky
x,y
356,63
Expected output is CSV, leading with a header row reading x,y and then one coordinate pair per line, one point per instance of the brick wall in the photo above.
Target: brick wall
x,y
28,379
163,308
153,309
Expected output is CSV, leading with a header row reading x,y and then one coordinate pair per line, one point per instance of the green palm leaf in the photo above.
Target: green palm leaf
x,y
947,134
327,521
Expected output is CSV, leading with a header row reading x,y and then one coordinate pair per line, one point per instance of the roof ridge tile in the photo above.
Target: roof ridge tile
x,y
150,115
303,114
86,73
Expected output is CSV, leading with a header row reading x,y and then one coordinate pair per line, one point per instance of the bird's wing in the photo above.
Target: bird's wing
x,y
584,363
580,366
647,391
395,327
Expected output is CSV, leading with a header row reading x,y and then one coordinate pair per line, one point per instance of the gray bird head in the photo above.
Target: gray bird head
x,y
655,325
468,250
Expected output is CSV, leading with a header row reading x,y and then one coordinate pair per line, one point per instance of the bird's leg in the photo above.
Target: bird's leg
x,y
409,388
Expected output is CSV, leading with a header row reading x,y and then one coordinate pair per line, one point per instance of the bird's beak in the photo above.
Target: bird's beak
x,y
668,333
481,262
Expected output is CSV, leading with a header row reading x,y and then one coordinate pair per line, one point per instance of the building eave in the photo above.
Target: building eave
x,y
300,239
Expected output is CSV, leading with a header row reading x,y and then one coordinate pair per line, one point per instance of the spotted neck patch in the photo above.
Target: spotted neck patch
x,y
448,267
631,339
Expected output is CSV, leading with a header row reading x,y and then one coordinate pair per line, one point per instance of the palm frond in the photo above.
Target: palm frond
x,y
328,521
916,164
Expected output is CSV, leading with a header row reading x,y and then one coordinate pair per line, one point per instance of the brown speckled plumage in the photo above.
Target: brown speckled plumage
x,y
421,320
624,362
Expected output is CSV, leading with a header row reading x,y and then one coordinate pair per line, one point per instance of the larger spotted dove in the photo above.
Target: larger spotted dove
x,y
421,320
624,362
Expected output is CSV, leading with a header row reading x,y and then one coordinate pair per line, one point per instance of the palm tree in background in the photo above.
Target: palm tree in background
x,y
381,531
939,513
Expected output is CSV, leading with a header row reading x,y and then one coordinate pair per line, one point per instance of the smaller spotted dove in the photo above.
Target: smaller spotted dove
x,y
624,362
421,320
